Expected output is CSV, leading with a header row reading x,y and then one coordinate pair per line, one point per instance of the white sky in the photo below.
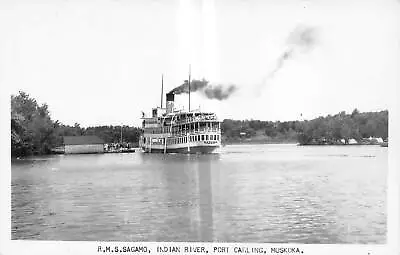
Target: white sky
x,y
100,62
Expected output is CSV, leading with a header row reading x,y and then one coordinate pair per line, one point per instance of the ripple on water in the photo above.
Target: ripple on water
x,y
260,193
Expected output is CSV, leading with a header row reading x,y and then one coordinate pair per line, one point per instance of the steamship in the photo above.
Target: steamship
x,y
176,131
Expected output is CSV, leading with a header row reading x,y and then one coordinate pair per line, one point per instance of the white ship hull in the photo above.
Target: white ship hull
x,y
192,150
198,147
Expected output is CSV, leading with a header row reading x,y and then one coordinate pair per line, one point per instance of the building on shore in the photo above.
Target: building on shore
x,y
83,144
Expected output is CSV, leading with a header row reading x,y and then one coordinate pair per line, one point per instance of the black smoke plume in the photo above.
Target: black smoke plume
x,y
302,39
219,91
211,91
195,85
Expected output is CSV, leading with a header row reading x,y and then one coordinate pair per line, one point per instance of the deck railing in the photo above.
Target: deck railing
x,y
196,119
196,130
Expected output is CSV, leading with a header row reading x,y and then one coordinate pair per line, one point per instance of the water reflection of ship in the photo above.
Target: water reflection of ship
x,y
188,197
205,201
177,158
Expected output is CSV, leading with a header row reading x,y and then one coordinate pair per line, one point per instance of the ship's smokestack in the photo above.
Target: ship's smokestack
x,y
170,102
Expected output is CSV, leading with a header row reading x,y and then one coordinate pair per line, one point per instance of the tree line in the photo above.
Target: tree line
x,y
33,132
322,130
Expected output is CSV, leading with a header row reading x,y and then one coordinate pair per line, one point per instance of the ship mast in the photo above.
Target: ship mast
x,y
189,85
162,88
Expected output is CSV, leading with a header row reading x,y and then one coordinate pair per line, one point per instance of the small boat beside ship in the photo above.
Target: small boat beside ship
x,y
176,131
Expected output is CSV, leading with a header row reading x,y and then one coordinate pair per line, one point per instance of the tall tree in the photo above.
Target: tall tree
x,y
32,130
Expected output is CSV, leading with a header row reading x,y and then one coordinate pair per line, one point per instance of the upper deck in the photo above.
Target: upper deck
x,y
191,117
180,121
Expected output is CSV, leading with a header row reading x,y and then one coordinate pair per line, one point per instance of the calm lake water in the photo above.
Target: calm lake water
x,y
245,193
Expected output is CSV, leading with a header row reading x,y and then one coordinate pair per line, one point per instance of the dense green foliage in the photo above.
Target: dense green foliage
x,y
344,126
33,132
322,130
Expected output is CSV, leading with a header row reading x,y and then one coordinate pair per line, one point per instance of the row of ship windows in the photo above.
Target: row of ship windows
x,y
194,138
183,128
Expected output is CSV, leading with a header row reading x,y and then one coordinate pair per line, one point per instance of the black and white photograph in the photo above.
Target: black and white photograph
x,y
199,122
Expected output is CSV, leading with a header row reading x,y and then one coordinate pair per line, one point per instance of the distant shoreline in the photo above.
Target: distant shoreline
x,y
34,132
236,142
339,144
249,142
